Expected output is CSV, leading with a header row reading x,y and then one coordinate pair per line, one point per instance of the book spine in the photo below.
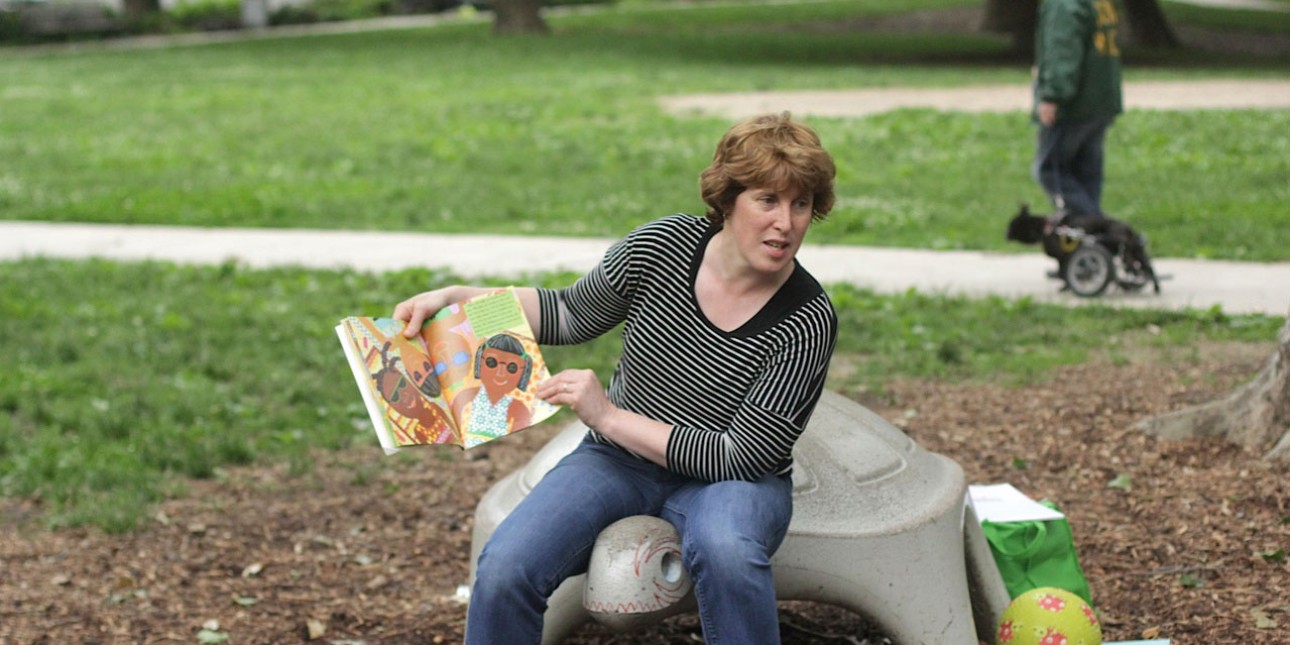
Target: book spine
x,y
360,376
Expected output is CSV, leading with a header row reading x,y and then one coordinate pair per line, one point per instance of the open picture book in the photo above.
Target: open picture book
x,y
469,377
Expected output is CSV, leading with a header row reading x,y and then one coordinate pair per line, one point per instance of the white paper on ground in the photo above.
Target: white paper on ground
x,y
1004,503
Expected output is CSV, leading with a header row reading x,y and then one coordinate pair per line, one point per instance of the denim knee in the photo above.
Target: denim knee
x,y
725,554
499,566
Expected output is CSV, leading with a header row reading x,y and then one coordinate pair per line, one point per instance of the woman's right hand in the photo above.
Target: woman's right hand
x,y
419,308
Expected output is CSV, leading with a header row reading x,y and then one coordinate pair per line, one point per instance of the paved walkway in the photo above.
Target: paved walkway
x,y
1270,94
1236,287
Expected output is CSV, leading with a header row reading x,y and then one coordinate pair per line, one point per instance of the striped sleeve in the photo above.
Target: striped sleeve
x,y
593,305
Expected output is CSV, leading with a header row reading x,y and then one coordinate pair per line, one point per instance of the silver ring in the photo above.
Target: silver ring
x,y
564,387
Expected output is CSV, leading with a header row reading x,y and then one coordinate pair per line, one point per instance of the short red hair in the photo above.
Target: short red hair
x,y
770,151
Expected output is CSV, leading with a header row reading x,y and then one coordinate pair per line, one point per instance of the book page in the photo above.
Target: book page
x,y
489,365
402,382
496,313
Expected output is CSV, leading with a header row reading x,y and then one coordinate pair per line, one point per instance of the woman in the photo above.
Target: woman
x,y
726,345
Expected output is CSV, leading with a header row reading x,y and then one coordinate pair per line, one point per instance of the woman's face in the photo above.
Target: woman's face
x,y
500,372
768,226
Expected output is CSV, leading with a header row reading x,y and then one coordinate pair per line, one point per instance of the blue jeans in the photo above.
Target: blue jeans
x,y
729,530
1068,164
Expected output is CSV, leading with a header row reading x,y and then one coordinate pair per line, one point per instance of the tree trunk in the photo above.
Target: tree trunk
x,y
1148,25
1016,18
1256,415
518,17
135,9
255,14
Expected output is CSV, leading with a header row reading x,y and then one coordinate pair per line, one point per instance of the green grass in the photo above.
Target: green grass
x,y
123,380
1011,341
451,129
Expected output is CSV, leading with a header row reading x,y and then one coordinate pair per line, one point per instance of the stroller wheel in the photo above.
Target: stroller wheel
x,y
1130,275
1089,270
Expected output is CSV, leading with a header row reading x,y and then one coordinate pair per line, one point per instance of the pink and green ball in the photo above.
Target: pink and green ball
x,y
1049,616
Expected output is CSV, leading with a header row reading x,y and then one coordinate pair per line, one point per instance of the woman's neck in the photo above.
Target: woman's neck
x,y
722,258
728,291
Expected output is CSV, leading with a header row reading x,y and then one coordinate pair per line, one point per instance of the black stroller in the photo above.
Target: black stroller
x,y
1092,252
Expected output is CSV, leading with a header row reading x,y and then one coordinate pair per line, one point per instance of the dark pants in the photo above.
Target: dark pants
x,y
1068,164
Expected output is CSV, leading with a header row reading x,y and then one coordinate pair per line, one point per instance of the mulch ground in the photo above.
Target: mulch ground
x,y
366,549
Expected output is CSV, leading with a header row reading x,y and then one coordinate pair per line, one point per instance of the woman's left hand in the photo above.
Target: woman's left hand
x,y
581,391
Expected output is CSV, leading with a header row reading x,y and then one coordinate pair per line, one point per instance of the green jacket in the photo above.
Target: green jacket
x,y
1077,59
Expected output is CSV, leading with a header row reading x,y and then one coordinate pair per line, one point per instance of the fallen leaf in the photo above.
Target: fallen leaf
x,y
252,570
315,628
209,637
1262,620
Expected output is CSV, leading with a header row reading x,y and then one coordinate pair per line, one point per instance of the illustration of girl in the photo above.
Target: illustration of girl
x,y
412,395
503,368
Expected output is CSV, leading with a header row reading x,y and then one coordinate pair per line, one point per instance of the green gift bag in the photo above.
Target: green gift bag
x,y
1036,554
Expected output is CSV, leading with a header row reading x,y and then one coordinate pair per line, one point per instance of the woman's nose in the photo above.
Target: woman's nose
x,y
783,216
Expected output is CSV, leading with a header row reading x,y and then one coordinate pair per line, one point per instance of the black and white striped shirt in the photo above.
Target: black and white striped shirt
x,y
737,400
